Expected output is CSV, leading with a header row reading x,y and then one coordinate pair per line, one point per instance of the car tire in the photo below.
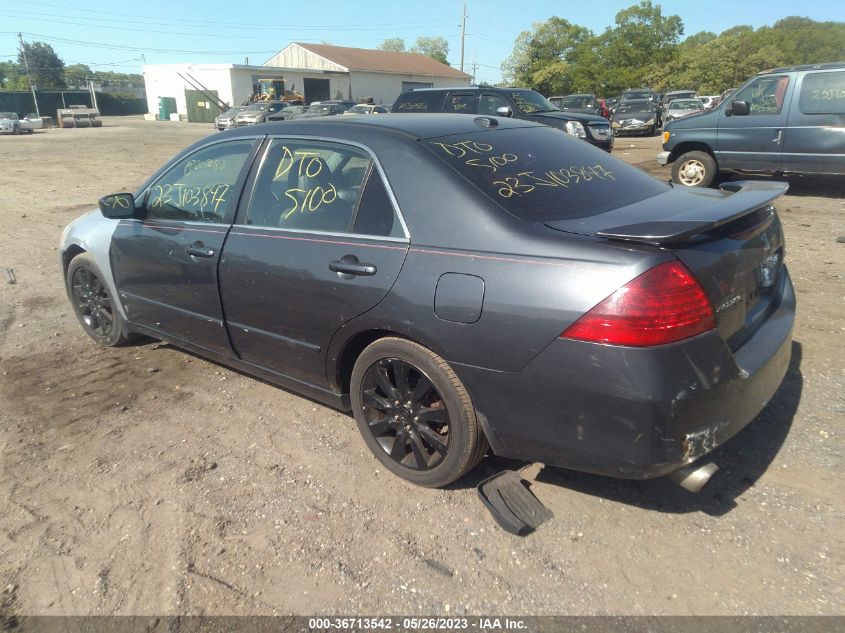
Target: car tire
x,y
92,302
694,169
432,437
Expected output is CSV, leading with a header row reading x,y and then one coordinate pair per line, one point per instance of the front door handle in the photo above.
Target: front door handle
x,y
198,250
778,138
349,265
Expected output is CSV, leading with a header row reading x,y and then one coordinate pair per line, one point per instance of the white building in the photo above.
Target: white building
x,y
359,73
198,88
319,72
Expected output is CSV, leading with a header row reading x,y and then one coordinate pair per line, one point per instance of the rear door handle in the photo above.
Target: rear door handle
x,y
779,137
349,265
200,251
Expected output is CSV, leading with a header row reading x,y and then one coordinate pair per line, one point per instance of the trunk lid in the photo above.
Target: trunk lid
x,y
731,240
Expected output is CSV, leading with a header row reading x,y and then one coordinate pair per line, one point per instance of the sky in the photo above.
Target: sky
x,y
120,36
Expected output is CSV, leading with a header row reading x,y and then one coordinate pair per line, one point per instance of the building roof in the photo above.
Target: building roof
x,y
383,61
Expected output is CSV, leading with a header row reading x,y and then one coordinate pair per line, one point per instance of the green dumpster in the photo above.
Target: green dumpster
x,y
166,107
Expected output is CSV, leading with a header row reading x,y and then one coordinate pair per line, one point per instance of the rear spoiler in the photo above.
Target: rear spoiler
x,y
747,196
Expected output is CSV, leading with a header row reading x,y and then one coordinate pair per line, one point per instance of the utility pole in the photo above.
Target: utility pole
x,y
463,34
474,66
28,78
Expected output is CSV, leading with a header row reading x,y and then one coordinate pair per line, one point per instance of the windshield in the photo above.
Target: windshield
x,y
634,108
8,115
686,104
577,101
530,102
540,175
643,94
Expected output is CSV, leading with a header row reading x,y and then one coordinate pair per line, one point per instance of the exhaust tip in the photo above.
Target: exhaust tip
x,y
693,477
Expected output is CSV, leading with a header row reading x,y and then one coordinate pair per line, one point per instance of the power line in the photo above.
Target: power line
x,y
264,25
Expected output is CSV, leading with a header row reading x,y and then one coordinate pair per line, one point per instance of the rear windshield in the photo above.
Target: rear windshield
x,y
542,174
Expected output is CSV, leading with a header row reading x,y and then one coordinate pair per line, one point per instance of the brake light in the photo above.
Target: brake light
x,y
663,305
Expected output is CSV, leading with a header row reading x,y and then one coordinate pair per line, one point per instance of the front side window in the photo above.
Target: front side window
x,y
823,93
460,104
308,185
765,95
488,104
202,186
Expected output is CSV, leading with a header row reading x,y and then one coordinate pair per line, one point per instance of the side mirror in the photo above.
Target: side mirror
x,y
504,111
739,108
118,206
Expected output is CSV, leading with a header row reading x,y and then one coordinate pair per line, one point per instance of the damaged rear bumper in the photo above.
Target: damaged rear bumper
x,y
633,412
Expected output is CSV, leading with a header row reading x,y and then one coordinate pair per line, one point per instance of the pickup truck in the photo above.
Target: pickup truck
x,y
784,121
11,124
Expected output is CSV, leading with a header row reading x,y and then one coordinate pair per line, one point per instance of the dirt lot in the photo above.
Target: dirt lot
x,y
143,480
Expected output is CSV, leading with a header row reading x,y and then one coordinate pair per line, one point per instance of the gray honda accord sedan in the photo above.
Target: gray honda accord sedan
x,y
461,284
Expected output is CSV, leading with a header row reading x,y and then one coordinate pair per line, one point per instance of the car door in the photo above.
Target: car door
x,y
755,141
320,242
814,140
165,260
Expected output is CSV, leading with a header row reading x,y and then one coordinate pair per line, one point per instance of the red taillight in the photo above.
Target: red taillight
x,y
663,305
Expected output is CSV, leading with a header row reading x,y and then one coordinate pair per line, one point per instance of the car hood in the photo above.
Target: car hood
x,y
568,115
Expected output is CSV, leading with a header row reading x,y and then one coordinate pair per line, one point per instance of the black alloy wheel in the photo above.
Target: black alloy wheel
x,y
92,302
405,414
414,413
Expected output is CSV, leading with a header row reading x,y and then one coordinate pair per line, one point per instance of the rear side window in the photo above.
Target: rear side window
x,y
823,93
460,104
541,174
422,101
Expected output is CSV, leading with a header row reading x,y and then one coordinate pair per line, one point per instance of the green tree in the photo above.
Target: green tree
x,y
395,44
542,57
8,73
641,38
77,75
46,69
434,47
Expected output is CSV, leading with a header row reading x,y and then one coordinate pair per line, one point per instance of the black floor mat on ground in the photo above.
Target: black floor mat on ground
x,y
512,504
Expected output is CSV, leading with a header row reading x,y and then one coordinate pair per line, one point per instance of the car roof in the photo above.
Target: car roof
x,y
418,126
832,65
639,101
465,89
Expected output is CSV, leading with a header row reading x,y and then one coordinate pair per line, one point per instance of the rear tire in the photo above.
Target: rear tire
x,y
694,169
414,413
92,302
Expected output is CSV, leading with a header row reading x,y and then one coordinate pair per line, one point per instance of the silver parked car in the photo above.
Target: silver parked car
x,y
683,107
226,120
257,112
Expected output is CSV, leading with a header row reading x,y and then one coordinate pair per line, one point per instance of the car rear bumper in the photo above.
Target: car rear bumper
x,y
633,412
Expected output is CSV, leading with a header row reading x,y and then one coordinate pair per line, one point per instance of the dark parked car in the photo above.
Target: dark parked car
x,y
518,103
585,104
286,114
326,108
455,281
783,121
635,116
639,93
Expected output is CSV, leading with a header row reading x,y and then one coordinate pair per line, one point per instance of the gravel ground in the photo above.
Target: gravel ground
x,y
144,480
